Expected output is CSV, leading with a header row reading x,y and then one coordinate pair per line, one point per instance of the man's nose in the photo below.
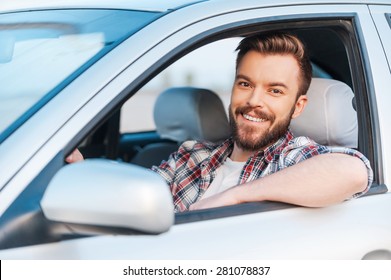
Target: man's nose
x,y
256,98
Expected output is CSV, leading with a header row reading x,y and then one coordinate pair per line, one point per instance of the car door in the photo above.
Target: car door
x,y
262,230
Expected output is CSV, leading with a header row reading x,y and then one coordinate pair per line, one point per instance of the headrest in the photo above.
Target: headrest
x,y
188,113
329,117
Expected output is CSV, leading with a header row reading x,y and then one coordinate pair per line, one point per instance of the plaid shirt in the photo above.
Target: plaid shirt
x,y
190,170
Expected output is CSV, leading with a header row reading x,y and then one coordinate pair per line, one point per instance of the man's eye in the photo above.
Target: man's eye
x,y
275,91
244,84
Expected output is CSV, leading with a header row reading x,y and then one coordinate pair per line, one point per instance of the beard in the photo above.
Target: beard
x,y
250,138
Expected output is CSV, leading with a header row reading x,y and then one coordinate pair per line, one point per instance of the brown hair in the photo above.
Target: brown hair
x,y
279,43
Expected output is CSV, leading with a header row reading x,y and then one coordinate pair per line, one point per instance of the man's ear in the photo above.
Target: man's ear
x,y
301,102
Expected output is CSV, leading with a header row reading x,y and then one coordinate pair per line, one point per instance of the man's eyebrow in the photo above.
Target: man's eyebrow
x,y
244,77
278,84
271,84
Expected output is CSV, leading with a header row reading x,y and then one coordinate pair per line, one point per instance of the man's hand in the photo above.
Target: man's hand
x,y
75,156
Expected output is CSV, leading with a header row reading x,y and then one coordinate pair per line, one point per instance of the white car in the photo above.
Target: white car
x,y
85,74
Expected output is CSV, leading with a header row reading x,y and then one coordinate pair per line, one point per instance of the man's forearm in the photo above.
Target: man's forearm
x,y
316,182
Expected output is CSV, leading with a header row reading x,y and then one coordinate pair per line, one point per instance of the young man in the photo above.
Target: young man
x,y
262,160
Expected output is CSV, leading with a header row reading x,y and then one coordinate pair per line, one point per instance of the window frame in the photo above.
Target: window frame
x,y
348,28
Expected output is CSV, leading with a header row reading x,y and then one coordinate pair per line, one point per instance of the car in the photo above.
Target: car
x,y
89,75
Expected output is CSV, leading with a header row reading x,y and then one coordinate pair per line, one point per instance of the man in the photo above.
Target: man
x,y
262,160
273,74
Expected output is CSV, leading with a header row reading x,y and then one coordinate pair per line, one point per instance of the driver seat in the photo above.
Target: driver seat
x,y
329,117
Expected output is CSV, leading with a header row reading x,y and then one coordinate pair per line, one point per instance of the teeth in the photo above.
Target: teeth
x,y
250,118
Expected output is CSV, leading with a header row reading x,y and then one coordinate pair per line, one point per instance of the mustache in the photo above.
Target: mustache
x,y
256,112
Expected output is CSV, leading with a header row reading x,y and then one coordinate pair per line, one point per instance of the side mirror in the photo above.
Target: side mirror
x,y
103,193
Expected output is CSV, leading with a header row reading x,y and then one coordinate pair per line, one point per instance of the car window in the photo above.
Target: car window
x,y
42,51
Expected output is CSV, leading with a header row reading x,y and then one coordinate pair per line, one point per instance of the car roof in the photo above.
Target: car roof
x,y
157,5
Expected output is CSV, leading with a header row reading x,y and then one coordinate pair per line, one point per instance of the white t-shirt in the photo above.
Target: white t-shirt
x,y
227,176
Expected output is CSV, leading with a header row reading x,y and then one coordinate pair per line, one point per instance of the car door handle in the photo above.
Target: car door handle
x,y
378,255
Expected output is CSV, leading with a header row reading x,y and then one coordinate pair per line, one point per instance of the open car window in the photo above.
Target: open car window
x,y
333,57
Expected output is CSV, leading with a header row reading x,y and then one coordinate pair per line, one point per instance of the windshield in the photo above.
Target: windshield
x,y
43,51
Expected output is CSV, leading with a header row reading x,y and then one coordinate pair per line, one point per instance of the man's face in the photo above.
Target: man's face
x,y
264,99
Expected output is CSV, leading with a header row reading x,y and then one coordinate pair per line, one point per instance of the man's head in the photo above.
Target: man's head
x,y
273,74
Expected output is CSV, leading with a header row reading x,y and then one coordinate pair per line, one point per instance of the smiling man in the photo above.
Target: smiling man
x,y
263,160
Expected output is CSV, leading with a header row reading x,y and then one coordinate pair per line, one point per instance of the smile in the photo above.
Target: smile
x,y
253,119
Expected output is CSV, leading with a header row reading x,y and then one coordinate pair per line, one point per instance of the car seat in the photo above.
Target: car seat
x,y
329,117
184,113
